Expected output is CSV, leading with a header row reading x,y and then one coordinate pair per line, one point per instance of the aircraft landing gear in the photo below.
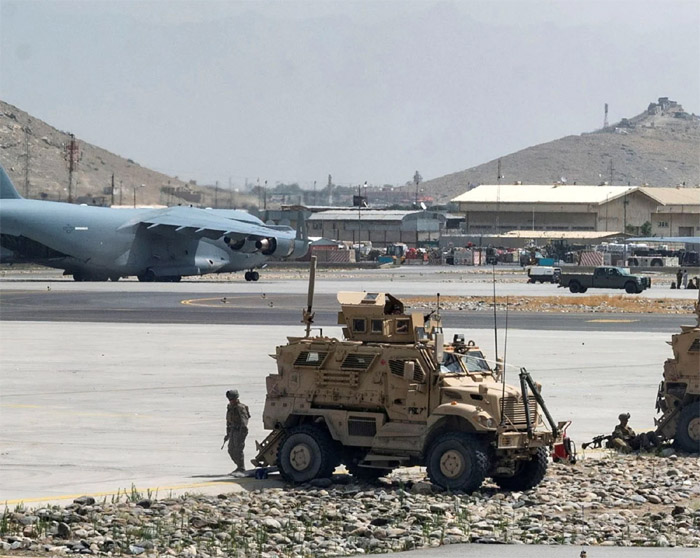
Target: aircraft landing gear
x,y
251,275
147,276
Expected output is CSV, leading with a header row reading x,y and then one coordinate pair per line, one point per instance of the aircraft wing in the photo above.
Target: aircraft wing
x,y
199,223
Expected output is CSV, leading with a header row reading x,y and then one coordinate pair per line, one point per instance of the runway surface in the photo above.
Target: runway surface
x,y
104,386
44,295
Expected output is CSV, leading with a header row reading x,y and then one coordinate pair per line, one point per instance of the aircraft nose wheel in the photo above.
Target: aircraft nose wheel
x,y
251,276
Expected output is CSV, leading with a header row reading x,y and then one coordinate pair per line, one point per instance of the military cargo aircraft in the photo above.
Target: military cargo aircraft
x,y
100,243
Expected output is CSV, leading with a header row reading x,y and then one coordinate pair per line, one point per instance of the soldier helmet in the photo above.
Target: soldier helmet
x,y
624,416
232,394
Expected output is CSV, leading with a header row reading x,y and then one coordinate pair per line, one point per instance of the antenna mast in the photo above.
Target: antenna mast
x,y
605,120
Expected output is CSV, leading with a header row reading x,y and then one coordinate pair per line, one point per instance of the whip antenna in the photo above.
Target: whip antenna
x,y
308,315
495,323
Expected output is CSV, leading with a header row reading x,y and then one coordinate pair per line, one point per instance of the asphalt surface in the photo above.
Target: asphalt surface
x,y
106,386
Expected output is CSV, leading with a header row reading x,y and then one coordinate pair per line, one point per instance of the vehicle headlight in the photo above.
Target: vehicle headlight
x,y
487,422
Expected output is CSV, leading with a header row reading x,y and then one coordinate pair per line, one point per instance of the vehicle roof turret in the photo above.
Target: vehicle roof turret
x,y
381,318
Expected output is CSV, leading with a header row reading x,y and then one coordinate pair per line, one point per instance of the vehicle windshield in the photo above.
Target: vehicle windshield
x,y
456,363
623,271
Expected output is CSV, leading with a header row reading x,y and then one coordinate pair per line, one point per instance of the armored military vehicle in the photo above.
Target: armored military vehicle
x,y
679,392
392,394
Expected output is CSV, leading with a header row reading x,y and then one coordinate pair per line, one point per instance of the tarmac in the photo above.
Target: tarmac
x,y
100,408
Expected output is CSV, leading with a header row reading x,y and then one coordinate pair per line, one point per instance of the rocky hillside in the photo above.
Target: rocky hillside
x,y
659,147
47,178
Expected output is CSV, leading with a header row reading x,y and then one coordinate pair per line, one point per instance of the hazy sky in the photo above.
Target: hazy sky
x,y
292,91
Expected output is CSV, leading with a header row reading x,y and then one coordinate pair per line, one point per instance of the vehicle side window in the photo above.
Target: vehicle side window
x,y
377,326
359,325
402,326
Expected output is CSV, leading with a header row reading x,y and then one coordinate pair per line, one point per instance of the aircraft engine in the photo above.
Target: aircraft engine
x,y
301,247
245,244
278,247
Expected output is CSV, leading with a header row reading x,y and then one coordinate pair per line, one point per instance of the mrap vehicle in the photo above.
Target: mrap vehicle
x,y
392,394
678,399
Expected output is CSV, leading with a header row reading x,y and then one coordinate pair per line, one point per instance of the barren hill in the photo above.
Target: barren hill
x,y
47,176
659,147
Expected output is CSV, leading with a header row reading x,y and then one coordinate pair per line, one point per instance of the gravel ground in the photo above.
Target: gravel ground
x,y
605,499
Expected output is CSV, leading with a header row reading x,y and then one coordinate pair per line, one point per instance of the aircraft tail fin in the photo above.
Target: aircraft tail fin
x,y
7,189
301,243
302,233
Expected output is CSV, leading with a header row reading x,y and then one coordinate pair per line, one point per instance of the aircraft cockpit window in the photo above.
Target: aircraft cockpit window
x,y
359,325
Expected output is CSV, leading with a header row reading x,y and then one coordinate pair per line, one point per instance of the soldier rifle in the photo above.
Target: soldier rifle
x,y
597,441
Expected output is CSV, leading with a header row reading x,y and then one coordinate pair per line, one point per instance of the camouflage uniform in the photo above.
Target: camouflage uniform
x,y
237,415
626,440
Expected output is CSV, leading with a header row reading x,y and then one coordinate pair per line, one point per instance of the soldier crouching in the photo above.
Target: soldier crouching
x,y
625,440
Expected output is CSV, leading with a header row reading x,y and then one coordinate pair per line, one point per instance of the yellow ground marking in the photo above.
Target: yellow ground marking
x,y
206,301
611,321
120,492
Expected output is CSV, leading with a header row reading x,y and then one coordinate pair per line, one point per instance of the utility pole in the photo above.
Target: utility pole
x,y
611,172
26,161
112,188
71,155
216,195
330,190
230,193
498,199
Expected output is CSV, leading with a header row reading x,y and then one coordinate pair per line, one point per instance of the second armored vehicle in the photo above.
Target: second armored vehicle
x,y
392,394
679,393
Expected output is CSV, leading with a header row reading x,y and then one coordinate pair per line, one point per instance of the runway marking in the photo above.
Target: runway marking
x,y
612,321
120,492
207,301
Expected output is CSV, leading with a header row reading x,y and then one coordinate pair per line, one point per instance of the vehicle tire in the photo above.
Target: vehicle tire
x,y
630,287
247,276
254,276
528,474
457,461
583,290
574,286
306,453
656,263
688,429
79,277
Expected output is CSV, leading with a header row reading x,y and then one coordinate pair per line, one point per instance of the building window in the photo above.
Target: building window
x,y
662,224
317,226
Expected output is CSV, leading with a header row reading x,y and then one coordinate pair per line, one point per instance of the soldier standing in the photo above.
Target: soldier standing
x,y
237,415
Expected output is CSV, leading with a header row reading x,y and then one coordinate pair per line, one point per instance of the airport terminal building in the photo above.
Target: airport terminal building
x,y
497,209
